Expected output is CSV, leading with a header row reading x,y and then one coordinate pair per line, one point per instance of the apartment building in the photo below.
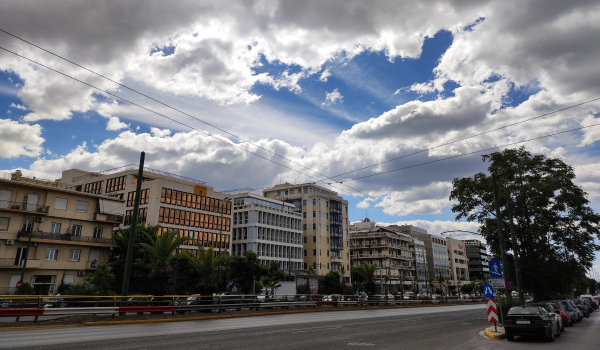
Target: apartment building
x,y
324,225
54,235
174,202
391,251
420,261
459,267
477,259
436,249
270,228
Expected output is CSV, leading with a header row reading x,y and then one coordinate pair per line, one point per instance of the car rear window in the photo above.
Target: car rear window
x,y
524,310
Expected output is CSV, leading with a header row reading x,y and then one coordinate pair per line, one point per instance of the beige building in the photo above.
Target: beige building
x,y
324,225
69,233
459,266
391,251
171,201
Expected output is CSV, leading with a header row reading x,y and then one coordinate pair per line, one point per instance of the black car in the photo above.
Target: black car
x,y
530,320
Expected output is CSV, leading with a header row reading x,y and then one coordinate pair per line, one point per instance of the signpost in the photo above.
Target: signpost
x,y
498,283
490,305
495,269
508,285
18,285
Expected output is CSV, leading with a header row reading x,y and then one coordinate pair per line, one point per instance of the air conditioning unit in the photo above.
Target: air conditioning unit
x,y
34,244
39,218
81,273
10,241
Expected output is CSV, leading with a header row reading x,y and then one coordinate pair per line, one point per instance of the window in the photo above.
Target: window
x,y
55,228
314,252
305,190
292,191
305,252
97,232
52,254
314,201
328,253
285,192
27,226
76,230
304,202
304,239
304,226
314,239
73,255
60,203
21,252
314,214
304,214
314,226
82,206
279,193
4,223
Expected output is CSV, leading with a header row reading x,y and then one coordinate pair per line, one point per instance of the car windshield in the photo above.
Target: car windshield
x,y
524,310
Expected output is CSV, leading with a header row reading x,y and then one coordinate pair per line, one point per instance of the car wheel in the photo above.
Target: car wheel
x,y
510,337
550,335
558,330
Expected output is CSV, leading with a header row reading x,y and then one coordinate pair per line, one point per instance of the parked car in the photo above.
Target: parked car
x,y
530,320
573,311
557,314
564,314
584,310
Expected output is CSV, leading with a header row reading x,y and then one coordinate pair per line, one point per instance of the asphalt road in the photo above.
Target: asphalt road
x,y
446,327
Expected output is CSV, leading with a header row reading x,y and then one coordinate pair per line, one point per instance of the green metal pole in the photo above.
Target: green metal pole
x,y
515,247
132,227
500,234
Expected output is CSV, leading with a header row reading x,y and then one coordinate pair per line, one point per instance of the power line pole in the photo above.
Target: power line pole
x,y
515,247
499,226
132,227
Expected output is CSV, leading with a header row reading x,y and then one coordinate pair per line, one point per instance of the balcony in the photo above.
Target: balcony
x,y
111,218
336,259
65,237
6,263
21,206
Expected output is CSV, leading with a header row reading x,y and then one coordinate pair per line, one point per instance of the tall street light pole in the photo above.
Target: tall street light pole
x,y
499,227
515,248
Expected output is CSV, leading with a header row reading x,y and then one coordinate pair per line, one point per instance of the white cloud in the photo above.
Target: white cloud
x,y
18,139
115,124
326,74
18,106
332,97
156,132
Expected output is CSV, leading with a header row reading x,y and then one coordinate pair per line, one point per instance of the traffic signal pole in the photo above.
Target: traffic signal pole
x,y
132,227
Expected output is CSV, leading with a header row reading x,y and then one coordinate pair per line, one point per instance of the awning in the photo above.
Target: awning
x,y
107,206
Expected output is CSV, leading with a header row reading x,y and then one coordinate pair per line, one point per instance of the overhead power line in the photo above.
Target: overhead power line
x,y
171,107
179,122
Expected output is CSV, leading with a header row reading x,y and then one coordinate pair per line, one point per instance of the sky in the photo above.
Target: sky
x,y
248,94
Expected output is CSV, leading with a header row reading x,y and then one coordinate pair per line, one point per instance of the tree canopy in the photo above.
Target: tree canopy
x,y
554,225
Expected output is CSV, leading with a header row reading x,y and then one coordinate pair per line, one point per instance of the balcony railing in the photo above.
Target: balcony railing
x,y
109,218
337,259
66,237
10,262
21,206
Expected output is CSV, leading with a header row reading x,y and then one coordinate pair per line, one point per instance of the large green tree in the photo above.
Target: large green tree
x,y
142,263
206,265
554,225
366,277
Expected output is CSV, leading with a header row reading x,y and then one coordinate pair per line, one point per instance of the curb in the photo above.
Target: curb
x,y
493,334
198,318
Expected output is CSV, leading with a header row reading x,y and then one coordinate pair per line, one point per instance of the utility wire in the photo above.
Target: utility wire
x,y
462,139
171,107
469,153
178,122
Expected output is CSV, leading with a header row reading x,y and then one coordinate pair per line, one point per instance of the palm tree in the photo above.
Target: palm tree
x,y
429,282
415,283
402,279
367,272
270,284
160,250
206,264
386,279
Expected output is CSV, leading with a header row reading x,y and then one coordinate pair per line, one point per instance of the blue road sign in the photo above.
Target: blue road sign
x,y
495,269
488,291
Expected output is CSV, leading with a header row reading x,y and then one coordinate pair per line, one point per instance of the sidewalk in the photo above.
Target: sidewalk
x,y
492,333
